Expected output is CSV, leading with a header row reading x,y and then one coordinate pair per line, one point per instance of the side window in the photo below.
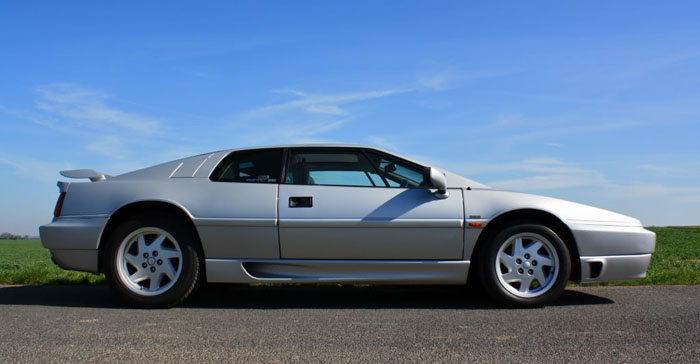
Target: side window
x,y
338,168
257,166
399,173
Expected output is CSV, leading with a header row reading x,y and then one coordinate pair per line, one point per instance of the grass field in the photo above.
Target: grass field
x,y
676,261
27,262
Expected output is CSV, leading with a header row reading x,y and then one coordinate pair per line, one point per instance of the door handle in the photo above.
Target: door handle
x,y
301,201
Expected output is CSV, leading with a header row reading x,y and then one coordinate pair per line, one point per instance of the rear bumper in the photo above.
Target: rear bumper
x,y
614,268
73,241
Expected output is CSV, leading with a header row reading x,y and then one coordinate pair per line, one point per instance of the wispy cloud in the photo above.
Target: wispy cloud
x,y
298,131
35,169
89,116
308,118
549,182
534,165
88,108
439,77
322,103
534,174
571,129
108,145
555,177
383,142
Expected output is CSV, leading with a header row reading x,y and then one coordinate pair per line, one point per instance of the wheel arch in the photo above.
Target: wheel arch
x,y
130,209
539,216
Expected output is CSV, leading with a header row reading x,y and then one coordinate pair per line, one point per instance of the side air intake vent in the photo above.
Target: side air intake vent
x,y
595,268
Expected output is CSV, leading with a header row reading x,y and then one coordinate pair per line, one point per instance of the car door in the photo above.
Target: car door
x,y
360,204
236,207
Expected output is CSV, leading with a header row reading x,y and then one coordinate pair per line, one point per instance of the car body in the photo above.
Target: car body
x,y
332,213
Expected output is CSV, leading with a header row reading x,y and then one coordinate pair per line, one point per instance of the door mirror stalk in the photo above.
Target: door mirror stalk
x,y
438,180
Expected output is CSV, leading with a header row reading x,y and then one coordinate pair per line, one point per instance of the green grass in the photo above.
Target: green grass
x,y
676,261
27,262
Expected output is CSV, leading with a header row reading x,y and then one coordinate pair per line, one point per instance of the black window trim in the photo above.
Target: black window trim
x,y
231,154
426,170
363,151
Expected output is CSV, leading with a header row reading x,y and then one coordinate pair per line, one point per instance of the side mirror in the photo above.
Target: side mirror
x,y
439,181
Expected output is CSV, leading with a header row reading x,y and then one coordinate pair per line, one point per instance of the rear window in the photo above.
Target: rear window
x,y
257,166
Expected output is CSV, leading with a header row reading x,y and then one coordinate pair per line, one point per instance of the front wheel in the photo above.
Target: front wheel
x,y
153,260
525,265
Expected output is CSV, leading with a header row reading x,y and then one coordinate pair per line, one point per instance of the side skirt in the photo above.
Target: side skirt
x,y
337,271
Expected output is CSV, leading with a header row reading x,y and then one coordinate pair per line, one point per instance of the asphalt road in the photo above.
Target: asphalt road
x,y
331,324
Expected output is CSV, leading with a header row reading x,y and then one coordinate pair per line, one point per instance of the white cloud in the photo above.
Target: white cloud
x,y
87,115
544,173
438,80
437,77
680,194
31,168
328,104
108,145
550,182
529,166
291,131
653,203
382,142
553,131
309,118
84,107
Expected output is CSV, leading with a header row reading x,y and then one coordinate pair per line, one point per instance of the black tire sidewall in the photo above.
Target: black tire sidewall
x,y
489,276
192,259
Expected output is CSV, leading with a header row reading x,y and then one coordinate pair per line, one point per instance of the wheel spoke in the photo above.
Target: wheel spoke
x,y
168,254
534,247
511,277
142,244
539,276
525,284
139,276
133,260
508,261
518,247
543,260
155,281
158,242
169,270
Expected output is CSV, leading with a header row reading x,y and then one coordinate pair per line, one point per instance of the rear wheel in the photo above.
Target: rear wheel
x,y
153,260
525,265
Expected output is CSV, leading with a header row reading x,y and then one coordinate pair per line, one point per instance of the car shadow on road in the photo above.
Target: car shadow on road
x,y
237,296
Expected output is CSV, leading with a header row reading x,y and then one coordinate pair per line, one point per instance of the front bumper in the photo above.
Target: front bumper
x,y
73,241
614,268
613,252
598,240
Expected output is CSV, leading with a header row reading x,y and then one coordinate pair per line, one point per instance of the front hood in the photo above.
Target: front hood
x,y
491,203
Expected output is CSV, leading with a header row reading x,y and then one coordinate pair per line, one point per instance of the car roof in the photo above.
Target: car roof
x,y
310,145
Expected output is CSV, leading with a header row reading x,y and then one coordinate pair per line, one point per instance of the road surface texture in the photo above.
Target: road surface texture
x,y
333,324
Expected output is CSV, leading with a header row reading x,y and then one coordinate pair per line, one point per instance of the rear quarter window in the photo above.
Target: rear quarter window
x,y
256,166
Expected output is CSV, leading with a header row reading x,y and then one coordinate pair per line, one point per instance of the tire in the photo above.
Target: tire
x,y
153,260
524,265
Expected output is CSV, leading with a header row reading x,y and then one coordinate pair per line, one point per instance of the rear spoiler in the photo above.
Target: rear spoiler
x,y
92,174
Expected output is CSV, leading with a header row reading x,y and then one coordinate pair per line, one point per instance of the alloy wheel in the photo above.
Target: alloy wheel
x,y
149,261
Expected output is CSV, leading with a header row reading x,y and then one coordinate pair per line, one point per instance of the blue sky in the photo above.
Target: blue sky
x,y
596,102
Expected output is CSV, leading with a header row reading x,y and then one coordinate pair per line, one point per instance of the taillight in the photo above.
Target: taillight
x,y
59,204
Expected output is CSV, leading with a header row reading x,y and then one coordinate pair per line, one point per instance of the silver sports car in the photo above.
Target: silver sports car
x,y
330,213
